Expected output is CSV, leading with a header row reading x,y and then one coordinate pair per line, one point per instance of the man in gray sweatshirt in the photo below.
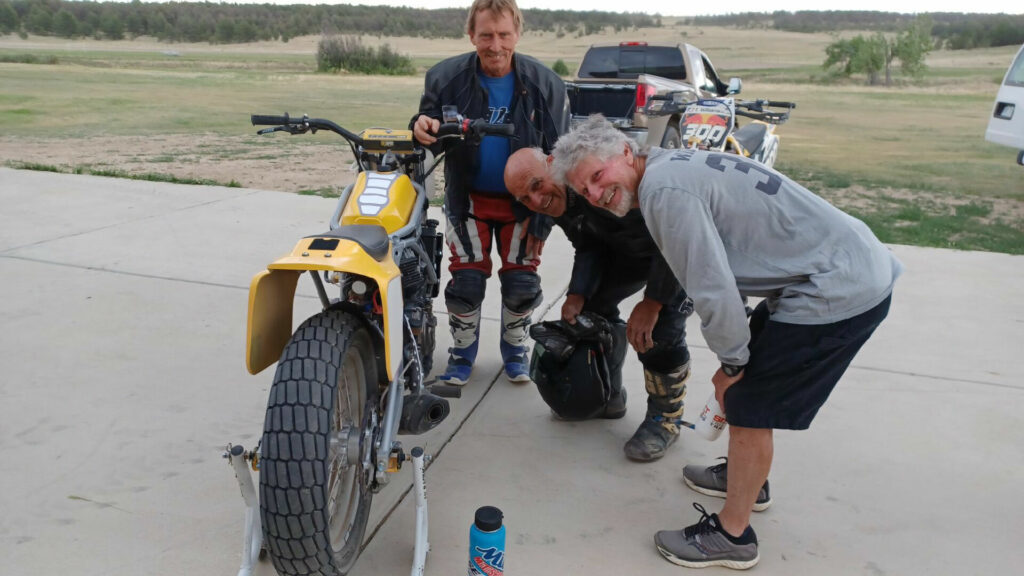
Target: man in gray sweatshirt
x,y
730,227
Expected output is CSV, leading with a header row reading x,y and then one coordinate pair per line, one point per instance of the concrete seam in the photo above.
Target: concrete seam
x,y
132,221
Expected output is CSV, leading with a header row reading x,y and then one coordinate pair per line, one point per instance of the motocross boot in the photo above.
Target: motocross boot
x,y
660,428
465,343
514,352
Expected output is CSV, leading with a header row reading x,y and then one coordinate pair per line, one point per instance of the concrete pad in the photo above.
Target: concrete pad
x,y
122,327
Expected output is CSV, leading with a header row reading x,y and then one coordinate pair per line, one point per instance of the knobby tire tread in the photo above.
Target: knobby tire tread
x,y
293,472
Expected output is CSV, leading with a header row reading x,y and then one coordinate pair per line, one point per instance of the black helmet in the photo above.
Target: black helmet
x,y
570,365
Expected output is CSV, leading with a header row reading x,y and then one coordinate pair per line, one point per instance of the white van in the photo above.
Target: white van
x,y
1006,126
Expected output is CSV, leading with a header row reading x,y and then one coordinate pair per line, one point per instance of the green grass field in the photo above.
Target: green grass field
x,y
910,160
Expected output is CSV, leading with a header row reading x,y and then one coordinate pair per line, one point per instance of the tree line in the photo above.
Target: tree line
x,y
950,30
233,23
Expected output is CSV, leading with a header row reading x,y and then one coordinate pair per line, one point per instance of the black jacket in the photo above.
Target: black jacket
x,y
539,112
603,240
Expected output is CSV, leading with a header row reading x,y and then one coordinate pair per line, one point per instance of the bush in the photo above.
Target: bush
x,y
27,59
347,53
560,68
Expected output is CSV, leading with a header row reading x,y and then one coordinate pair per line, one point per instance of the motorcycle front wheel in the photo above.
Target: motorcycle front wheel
x,y
316,469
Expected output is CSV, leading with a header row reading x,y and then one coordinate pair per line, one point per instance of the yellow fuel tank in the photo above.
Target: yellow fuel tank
x,y
382,198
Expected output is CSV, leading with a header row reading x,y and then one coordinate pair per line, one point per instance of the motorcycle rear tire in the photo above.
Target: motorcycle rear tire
x,y
314,483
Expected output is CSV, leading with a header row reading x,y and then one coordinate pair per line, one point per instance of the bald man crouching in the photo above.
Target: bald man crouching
x,y
614,259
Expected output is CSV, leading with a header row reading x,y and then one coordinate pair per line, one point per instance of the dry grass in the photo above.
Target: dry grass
x,y
147,107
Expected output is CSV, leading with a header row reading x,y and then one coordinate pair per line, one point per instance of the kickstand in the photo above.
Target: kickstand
x,y
252,541
419,561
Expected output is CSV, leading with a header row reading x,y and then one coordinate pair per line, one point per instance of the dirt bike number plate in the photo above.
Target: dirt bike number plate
x,y
706,125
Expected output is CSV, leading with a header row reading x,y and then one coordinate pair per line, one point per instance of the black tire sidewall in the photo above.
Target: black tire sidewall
x,y
294,472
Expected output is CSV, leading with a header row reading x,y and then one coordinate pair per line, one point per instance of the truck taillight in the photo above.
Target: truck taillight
x,y
643,94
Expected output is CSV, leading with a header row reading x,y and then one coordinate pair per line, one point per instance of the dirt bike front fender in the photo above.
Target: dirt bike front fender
x,y
272,296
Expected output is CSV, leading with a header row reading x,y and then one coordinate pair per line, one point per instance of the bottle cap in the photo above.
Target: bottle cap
x,y
488,518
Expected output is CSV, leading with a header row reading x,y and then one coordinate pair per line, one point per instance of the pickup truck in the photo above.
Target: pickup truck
x,y
618,80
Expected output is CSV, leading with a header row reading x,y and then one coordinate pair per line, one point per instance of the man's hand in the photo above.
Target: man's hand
x,y
722,383
425,128
572,307
640,327
534,245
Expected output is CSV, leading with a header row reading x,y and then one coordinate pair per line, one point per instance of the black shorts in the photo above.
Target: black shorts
x,y
794,367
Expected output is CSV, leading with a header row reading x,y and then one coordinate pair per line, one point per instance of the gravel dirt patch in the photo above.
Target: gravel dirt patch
x,y
268,164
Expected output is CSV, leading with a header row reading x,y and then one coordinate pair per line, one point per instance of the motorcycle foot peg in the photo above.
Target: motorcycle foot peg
x,y
422,413
446,390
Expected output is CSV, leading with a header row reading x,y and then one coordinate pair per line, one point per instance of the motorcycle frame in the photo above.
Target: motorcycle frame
x,y
402,239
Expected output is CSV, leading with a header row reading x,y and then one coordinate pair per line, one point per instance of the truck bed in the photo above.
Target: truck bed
x,y
612,100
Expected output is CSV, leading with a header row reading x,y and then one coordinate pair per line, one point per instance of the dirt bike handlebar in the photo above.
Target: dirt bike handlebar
x,y
478,127
300,125
286,123
756,109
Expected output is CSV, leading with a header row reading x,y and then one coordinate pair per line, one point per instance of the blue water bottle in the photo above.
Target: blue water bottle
x,y
487,543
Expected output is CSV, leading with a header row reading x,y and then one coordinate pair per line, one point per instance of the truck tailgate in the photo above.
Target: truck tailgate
x,y
612,100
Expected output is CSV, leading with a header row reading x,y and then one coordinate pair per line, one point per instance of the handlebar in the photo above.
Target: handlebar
x,y
756,109
749,108
286,123
478,127
299,125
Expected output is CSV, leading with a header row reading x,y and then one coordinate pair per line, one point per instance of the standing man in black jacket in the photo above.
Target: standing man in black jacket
x,y
503,87
615,258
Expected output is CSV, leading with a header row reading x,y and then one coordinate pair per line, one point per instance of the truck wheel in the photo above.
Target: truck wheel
x,y
316,468
671,138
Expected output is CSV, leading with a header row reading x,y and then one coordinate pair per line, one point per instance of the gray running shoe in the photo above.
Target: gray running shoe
x,y
706,544
711,481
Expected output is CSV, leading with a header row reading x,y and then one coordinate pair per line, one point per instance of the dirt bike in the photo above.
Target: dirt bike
x,y
710,123
351,377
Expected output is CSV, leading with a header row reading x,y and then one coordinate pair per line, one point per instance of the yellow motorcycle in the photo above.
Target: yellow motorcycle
x,y
351,377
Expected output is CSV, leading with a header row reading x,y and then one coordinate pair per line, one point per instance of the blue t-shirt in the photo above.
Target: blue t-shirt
x,y
494,150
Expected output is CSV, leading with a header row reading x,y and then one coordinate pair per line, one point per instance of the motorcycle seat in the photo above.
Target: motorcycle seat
x,y
750,136
372,237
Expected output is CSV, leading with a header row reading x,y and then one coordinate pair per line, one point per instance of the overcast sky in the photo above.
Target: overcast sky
x,y
695,8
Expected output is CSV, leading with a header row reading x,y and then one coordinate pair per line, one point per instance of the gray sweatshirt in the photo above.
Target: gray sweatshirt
x,y
729,226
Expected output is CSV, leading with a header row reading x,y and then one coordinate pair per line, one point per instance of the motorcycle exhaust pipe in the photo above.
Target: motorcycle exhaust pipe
x,y
422,413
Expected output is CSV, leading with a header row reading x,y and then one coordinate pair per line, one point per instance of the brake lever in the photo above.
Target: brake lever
x,y
291,129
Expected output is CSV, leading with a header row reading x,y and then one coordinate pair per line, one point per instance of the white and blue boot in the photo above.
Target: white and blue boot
x,y
465,343
514,353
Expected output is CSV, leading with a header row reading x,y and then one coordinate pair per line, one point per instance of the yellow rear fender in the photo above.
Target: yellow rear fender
x,y
272,292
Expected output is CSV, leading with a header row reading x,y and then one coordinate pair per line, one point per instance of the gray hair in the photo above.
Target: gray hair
x,y
596,137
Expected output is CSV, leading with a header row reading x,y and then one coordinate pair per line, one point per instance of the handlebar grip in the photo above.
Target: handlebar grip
x,y
264,120
449,129
497,129
780,104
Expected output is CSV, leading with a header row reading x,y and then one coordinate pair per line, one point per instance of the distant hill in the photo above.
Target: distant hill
x,y
232,23
951,30
235,23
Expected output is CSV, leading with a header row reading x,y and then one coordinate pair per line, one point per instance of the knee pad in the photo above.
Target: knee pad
x,y
669,349
665,356
520,291
465,291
